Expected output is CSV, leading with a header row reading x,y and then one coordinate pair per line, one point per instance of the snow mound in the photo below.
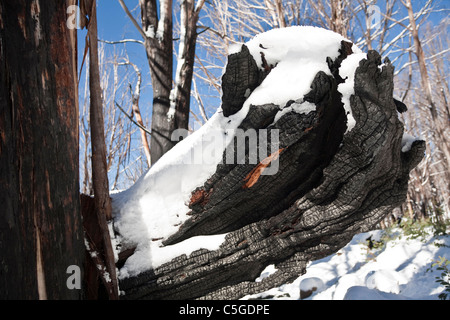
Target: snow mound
x,y
400,270
385,280
297,54
365,293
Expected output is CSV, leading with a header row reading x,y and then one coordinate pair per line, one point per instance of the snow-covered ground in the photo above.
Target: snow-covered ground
x,y
399,270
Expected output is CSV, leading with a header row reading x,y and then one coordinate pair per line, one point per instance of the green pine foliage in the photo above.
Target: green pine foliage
x,y
442,265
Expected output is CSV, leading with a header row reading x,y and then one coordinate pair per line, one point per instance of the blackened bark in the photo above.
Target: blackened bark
x,y
241,77
330,186
40,221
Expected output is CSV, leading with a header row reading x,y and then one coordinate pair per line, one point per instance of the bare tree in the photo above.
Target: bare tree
x,y
136,110
121,84
100,182
171,106
158,44
181,93
429,191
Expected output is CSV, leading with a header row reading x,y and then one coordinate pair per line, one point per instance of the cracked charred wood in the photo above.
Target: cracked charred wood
x,y
330,185
241,77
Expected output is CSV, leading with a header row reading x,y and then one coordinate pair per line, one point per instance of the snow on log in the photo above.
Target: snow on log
x,y
305,152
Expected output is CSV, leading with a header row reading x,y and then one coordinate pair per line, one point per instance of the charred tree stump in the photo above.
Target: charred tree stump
x,y
330,185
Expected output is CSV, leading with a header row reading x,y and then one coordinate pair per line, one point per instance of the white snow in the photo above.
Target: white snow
x,y
298,107
347,72
150,31
152,256
297,54
311,284
269,270
234,48
401,270
407,141
157,204
160,29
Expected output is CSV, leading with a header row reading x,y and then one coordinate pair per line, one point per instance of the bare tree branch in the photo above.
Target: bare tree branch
x,y
131,118
137,111
133,20
122,41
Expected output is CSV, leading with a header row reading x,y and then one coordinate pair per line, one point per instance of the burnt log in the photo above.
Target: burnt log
x,y
331,184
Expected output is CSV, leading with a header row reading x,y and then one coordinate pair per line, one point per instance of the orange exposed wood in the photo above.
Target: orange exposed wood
x,y
254,175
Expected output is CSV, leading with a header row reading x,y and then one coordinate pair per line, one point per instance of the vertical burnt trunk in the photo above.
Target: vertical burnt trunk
x,y
40,223
159,54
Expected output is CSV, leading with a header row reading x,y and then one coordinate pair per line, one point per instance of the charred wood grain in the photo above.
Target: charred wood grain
x,y
241,77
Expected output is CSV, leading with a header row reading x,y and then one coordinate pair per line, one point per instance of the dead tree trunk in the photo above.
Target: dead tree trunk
x,y
181,94
158,45
40,222
330,185
100,181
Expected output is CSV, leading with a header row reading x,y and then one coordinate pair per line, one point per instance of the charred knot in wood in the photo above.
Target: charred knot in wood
x,y
295,221
285,228
242,243
182,276
200,196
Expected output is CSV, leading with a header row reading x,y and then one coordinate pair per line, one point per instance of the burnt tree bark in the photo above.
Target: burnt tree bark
x,y
40,222
330,185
